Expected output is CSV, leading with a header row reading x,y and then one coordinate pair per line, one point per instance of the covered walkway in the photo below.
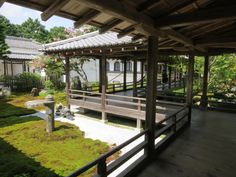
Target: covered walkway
x,y
206,149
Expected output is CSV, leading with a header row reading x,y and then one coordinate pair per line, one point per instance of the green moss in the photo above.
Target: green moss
x,y
14,105
27,150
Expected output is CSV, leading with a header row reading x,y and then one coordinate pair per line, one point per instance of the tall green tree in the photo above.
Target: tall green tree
x,y
35,30
57,33
3,45
10,29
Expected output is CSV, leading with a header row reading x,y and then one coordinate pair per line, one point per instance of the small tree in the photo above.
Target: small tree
x,y
77,64
53,66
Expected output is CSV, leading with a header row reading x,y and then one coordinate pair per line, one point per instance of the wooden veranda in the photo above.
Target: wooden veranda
x,y
178,27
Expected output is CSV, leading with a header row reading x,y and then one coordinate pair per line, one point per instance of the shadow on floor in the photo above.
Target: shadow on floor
x,y
205,149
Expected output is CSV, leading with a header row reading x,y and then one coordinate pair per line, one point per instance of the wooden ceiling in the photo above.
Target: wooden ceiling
x,y
183,26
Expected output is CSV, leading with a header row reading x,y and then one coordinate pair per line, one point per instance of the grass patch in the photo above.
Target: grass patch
x,y
14,105
27,150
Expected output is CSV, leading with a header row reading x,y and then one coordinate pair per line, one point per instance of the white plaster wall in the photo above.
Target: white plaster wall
x,y
91,69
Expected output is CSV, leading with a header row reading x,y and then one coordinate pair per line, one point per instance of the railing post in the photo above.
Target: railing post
x,y
113,87
102,168
84,96
139,122
174,121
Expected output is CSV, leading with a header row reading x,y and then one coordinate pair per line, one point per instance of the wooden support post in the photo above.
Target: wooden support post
x,y
135,79
180,77
104,87
169,79
4,66
7,69
100,75
67,80
204,99
5,73
125,74
175,77
142,73
151,94
11,68
190,85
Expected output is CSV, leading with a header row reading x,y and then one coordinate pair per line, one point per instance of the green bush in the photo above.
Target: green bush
x,y
49,85
23,82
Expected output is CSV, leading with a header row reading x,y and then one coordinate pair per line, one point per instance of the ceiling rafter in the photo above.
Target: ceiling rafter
x,y
126,31
177,7
147,5
110,25
200,16
142,22
53,9
2,2
89,16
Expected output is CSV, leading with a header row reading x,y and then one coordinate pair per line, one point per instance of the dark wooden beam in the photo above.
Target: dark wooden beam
x,y
53,9
137,37
36,6
110,26
228,41
148,4
201,16
143,23
86,18
178,6
152,60
2,2
126,31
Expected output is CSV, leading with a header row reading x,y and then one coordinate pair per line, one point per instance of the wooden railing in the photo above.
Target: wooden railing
x,y
133,107
114,87
165,130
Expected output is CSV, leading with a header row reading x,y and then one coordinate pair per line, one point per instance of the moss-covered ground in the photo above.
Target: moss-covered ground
x,y
27,150
14,105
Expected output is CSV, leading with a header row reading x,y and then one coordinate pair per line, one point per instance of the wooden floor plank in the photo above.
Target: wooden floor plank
x,y
206,149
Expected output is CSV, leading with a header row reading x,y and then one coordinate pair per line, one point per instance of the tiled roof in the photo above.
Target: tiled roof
x,y
89,40
21,48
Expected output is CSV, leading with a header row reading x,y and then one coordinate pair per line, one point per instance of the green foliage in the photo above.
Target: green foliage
x,y
23,82
48,85
3,45
14,105
35,30
54,68
27,150
9,29
57,33
223,73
